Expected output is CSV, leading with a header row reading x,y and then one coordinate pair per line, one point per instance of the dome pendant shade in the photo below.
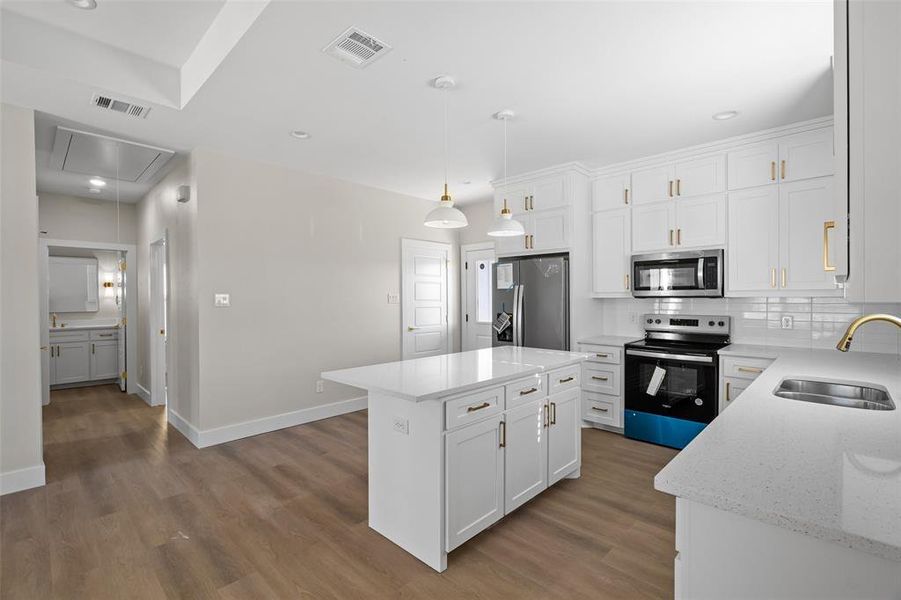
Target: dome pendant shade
x,y
505,225
446,216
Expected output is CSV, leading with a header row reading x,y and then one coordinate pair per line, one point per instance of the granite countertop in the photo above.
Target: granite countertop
x,y
830,472
440,376
610,340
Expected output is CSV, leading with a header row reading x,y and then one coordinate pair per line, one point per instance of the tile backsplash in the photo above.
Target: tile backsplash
x,y
817,322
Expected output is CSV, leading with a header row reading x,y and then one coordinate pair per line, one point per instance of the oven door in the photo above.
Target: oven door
x,y
680,386
678,274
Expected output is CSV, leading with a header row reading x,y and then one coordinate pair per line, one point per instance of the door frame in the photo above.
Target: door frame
x,y
131,306
464,283
405,245
159,348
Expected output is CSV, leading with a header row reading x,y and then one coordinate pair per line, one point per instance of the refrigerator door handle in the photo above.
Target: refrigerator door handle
x,y
516,315
520,315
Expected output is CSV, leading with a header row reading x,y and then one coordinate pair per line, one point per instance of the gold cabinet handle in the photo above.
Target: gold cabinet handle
x,y
470,409
773,277
678,187
670,188
546,420
411,328
670,237
728,396
599,409
531,202
599,378
625,195
525,203
826,227
565,380
679,237
602,355
749,370
162,332
782,169
528,391
772,170
92,348
104,335
627,281
553,413
502,435
784,276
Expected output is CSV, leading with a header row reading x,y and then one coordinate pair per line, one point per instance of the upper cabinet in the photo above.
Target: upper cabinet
x,y
650,185
699,176
680,224
610,192
753,165
611,251
790,158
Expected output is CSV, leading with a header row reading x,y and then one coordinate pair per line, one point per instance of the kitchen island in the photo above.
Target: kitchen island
x,y
780,498
457,441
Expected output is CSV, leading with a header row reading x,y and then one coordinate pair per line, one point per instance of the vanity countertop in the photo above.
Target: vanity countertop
x,y
83,326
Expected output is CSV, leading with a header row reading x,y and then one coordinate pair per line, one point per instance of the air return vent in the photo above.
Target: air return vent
x,y
357,48
120,106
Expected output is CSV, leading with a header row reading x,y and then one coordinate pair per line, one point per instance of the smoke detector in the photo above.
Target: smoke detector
x,y
357,48
120,106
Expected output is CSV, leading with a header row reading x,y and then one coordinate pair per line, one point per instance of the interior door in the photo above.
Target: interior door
x,y
121,353
564,441
424,298
477,310
158,328
525,456
544,290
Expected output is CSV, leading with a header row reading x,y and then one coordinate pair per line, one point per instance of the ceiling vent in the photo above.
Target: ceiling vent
x,y
120,106
357,48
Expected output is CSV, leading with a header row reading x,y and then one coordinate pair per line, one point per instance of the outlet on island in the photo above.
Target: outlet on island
x,y
788,322
320,386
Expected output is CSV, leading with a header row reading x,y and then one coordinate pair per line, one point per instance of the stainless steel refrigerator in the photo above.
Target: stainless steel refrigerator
x,y
534,293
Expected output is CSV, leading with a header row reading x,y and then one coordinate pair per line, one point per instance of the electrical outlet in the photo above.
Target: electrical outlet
x,y
788,322
320,386
401,425
633,317
221,300
393,298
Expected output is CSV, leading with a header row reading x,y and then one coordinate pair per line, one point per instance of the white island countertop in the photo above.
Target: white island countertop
x,y
825,471
435,377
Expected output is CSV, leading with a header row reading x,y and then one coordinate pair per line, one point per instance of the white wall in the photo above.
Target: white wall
x,y
108,309
86,219
308,261
21,453
481,217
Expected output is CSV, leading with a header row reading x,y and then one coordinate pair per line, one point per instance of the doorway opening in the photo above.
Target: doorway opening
x,y
475,282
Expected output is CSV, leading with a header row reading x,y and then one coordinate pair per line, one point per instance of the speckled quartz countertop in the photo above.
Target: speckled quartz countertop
x,y
610,340
440,376
826,471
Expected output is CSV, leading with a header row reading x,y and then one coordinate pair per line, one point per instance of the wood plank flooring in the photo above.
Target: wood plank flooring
x,y
132,510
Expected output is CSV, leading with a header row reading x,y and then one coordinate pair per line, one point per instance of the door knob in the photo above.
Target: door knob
x,y
412,328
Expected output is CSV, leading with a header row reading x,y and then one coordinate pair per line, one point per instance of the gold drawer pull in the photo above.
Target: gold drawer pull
x,y
546,420
728,395
599,378
783,169
749,370
503,434
478,407
104,335
670,190
528,391
678,187
599,409
772,170
553,413
567,380
601,355
826,227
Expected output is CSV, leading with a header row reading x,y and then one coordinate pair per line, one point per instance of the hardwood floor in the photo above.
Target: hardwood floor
x,y
132,510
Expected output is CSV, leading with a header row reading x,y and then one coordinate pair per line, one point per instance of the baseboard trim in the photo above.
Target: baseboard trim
x,y
22,479
228,433
144,394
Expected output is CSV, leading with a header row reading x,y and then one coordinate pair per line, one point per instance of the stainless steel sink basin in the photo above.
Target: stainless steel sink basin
x,y
835,393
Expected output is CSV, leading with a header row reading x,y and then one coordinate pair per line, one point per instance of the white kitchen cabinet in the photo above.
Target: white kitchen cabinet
x,y
564,434
71,362
806,155
475,479
611,252
549,229
753,165
602,386
514,244
610,191
548,193
525,454
753,248
730,390
516,197
700,176
701,221
652,184
653,226
807,216
104,360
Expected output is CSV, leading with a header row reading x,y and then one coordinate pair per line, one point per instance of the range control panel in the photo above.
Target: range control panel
x,y
687,323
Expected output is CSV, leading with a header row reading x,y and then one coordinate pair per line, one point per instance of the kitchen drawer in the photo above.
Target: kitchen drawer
x,y
104,334
744,367
59,337
525,390
601,378
473,407
563,379
603,354
602,409
731,388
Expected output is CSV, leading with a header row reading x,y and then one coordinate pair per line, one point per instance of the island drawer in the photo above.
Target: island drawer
x,y
601,378
104,334
58,337
564,379
744,367
525,390
603,354
473,407
602,409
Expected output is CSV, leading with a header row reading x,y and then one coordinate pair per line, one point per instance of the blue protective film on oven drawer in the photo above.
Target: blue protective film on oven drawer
x,y
658,429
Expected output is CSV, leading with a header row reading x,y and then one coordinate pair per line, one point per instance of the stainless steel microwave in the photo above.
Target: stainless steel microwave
x,y
678,274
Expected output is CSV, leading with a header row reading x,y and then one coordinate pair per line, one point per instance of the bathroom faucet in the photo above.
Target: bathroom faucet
x,y
845,343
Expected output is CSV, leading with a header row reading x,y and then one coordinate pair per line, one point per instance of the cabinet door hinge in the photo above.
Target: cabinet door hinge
x,y
122,265
124,374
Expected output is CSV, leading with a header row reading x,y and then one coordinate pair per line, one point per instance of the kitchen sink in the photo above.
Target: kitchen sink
x,y
836,393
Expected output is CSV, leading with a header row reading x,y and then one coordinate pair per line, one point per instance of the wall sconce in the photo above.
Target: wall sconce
x,y
108,285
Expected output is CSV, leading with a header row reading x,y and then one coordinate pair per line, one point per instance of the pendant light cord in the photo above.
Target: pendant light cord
x,y
445,140
505,154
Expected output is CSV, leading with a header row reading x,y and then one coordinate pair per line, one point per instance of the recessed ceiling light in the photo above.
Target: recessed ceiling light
x,y
94,190
301,135
97,182
85,4
467,182
725,115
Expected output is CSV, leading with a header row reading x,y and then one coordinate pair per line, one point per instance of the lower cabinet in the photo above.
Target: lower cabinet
x,y
564,441
526,454
83,355
104,360
71,363
602,386
736,374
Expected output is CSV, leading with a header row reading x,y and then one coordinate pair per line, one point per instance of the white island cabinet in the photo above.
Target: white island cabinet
x,y
458,441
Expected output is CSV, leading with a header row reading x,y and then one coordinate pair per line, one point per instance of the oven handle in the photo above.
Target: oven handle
x,y
667,356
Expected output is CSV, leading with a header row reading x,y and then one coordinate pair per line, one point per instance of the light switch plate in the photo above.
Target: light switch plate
x,y
401,425
788,322
221,300
393,298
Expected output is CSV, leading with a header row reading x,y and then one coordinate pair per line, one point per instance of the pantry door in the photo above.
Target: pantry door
x,y
424,299
475,280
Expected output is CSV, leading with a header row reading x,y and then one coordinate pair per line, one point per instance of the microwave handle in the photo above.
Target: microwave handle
x,y
701,285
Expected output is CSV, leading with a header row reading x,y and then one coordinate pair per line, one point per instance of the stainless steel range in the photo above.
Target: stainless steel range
x,y
672,377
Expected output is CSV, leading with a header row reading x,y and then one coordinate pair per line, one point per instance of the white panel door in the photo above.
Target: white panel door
x,y
753,248
564,434
548,193
753,165
477,310
424,301
701,221
550,229
475,479
806,208
611,252
650,185
806,155
105,360
525,454
610,192
653,227
73,362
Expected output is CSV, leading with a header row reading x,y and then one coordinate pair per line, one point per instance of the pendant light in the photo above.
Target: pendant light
x,y
505,225
445,216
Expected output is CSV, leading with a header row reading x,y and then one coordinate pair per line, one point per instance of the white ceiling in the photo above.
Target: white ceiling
x,y
602,82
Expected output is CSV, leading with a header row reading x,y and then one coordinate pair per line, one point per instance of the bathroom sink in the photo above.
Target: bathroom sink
x,y
836,393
